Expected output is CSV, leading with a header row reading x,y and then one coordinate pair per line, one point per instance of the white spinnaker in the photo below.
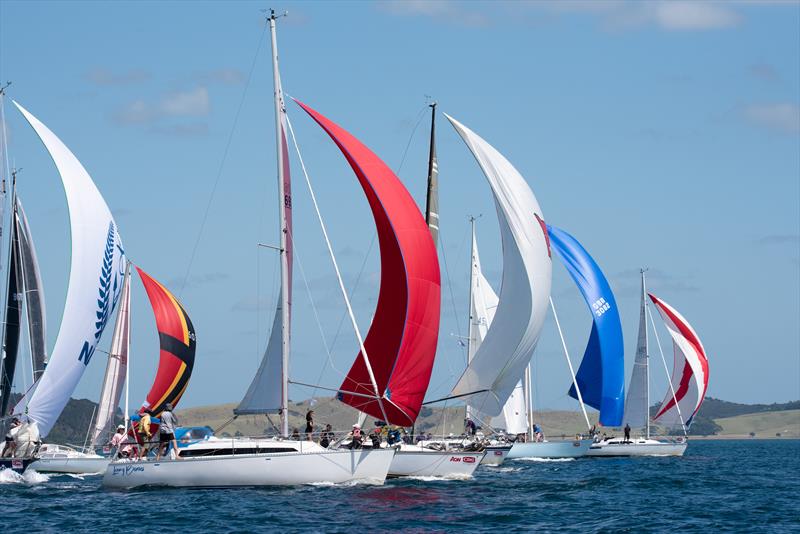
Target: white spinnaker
x,y
482,308
507,349
116,368
95,280
690,371
636,402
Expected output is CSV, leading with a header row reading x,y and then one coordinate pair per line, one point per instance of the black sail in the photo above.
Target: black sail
x,y
31,280
12,324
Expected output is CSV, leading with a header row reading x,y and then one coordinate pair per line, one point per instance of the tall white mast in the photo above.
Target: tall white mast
x,y
284,202
470,329
646,360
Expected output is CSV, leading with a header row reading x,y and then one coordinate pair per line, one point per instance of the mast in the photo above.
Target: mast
x,y
646,359
528,400
12,312
472,274
284,203
432,204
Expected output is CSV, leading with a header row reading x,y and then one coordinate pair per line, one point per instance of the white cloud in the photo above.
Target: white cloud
x,y
680,15
101,76
783,117
192,103
453,11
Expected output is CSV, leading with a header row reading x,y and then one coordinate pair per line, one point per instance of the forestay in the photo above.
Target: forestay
x,y
95,280
601,376
401,342
690,372
500,361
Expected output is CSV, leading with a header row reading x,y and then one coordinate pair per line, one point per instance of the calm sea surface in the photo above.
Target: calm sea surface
x,y
730,486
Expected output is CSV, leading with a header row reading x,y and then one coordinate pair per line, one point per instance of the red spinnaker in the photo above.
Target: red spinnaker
x,y
178,344
401,342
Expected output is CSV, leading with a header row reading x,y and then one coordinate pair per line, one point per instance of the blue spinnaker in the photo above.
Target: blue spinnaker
x,y
601,376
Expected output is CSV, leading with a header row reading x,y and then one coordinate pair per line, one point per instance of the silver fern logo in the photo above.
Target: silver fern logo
x,y
108,292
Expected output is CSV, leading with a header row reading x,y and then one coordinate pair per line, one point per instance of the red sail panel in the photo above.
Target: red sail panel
x,y
401,342
178,344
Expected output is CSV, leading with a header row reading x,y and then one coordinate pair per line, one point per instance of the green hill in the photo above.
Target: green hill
x,y
784,423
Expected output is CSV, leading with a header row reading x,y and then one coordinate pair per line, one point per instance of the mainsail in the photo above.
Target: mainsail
x,y
483,303
638,400
401,342
178,345
117,366
95,280
13,319
501,359
601,376
690,372
34,294
268,391
432,202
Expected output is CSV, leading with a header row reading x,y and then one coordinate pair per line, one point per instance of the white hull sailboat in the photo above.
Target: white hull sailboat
x,y
687,387
550,449
416,461
218,464
67,460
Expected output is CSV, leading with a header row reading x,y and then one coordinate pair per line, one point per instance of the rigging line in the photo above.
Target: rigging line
x,y
452,299
364,354
411,137
222,164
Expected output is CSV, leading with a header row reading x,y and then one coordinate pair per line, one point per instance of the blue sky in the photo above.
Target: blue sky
x,y
660,134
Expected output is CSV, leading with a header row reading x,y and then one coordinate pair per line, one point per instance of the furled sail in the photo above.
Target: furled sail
x,y
11,328
483,304
601,376
117,366
401,342
432,202
636,403
690,373
266,390
178,345
500,361
34,293
95,280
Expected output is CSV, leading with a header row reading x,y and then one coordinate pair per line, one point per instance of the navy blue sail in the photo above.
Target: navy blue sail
x,y
601,376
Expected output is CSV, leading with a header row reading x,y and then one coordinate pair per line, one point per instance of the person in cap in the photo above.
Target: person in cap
x,y
11,438
166,432
356,436
119,441
309,424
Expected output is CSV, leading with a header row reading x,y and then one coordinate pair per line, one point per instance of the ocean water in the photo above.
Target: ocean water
x,y
719,486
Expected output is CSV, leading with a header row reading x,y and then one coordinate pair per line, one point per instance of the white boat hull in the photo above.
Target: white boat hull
x,y
550,449
266,469
496,454
420,462
638,447
89,465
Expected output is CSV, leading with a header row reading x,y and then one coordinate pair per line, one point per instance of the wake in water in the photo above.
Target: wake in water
x,y
349,483
544,459
7,476
436,479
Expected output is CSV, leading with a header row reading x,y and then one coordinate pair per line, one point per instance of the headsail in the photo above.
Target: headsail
x,y
525,291
34,293
601,376
690,373
638,400
95,280
117,365
13,320
178,344
401,342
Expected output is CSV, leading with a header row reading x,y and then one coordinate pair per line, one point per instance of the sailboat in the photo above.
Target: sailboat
x,y
688,383
389,376
92,296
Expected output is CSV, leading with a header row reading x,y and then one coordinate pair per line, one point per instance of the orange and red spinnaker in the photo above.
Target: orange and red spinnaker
x,y
178,344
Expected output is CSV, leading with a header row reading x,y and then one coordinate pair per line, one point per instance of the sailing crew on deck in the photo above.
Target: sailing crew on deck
x,y
166,432
120,442
627,432
469,427
11,439
356,436
145,434
309,424
537,433
327,436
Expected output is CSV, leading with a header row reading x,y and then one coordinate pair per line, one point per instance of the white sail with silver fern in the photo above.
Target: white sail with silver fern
x,y
95,280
